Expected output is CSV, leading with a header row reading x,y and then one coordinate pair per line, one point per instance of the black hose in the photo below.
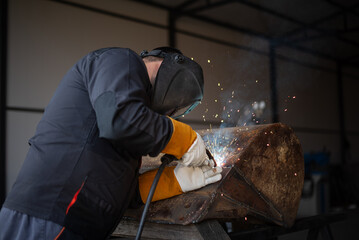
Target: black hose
x,y
166,159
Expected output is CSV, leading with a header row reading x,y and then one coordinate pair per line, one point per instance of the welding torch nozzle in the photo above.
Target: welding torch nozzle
x,y
210,156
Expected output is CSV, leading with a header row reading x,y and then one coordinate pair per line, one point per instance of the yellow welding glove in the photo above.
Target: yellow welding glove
x,y
167,185
187,145
177,180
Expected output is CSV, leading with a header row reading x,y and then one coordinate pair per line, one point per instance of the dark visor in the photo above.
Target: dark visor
x,y
179,112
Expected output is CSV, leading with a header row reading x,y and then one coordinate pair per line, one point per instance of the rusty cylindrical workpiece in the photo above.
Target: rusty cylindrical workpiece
x,y
263,174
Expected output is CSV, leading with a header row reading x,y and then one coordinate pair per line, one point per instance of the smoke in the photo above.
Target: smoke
x,y
245,99
240,98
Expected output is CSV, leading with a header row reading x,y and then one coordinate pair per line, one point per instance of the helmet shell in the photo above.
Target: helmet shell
x,y
179,84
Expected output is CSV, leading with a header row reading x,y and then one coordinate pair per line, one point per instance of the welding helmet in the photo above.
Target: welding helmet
x,y
178,87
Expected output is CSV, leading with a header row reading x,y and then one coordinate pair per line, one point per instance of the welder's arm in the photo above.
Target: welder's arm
x,y
187,145
177,180
119,87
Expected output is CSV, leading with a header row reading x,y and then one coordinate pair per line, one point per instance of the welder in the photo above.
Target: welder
x,y
111,108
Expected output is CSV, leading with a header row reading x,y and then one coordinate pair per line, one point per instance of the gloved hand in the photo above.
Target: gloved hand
x,y
196,155
187,145
177,180
191,178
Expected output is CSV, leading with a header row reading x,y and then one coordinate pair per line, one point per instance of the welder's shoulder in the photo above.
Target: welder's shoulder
x,y
135,58
115,54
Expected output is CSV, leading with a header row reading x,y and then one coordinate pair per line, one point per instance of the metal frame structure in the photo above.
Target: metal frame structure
x,y
192,9
184,10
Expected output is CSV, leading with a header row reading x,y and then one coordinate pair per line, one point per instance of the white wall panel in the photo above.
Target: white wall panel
x,y
215,32
234,80
46,38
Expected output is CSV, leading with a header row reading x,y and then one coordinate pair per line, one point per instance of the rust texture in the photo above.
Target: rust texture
x,y
262,179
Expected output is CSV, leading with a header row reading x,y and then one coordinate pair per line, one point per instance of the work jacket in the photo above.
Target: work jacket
x,y
82,166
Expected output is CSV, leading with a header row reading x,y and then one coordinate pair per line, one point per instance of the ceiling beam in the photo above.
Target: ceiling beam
x,y
208,6
290,19
346,9
185,4
270,11
110,13
251,32
228,26
319,36
319,21
154,4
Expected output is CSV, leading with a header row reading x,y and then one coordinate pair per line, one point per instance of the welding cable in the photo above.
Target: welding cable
x,y
166,159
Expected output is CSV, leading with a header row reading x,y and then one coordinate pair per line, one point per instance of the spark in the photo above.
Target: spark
x,y
245,219
222,148
221,121
295,174
209,61
285,110
215,100
221,89
268,145
229,115
257,81
294,97
219,84
216,116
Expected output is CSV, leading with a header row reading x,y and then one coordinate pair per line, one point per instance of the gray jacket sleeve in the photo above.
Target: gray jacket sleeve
x,y
119,90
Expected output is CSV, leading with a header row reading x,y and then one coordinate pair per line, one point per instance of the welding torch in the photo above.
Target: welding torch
x,y
165,160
